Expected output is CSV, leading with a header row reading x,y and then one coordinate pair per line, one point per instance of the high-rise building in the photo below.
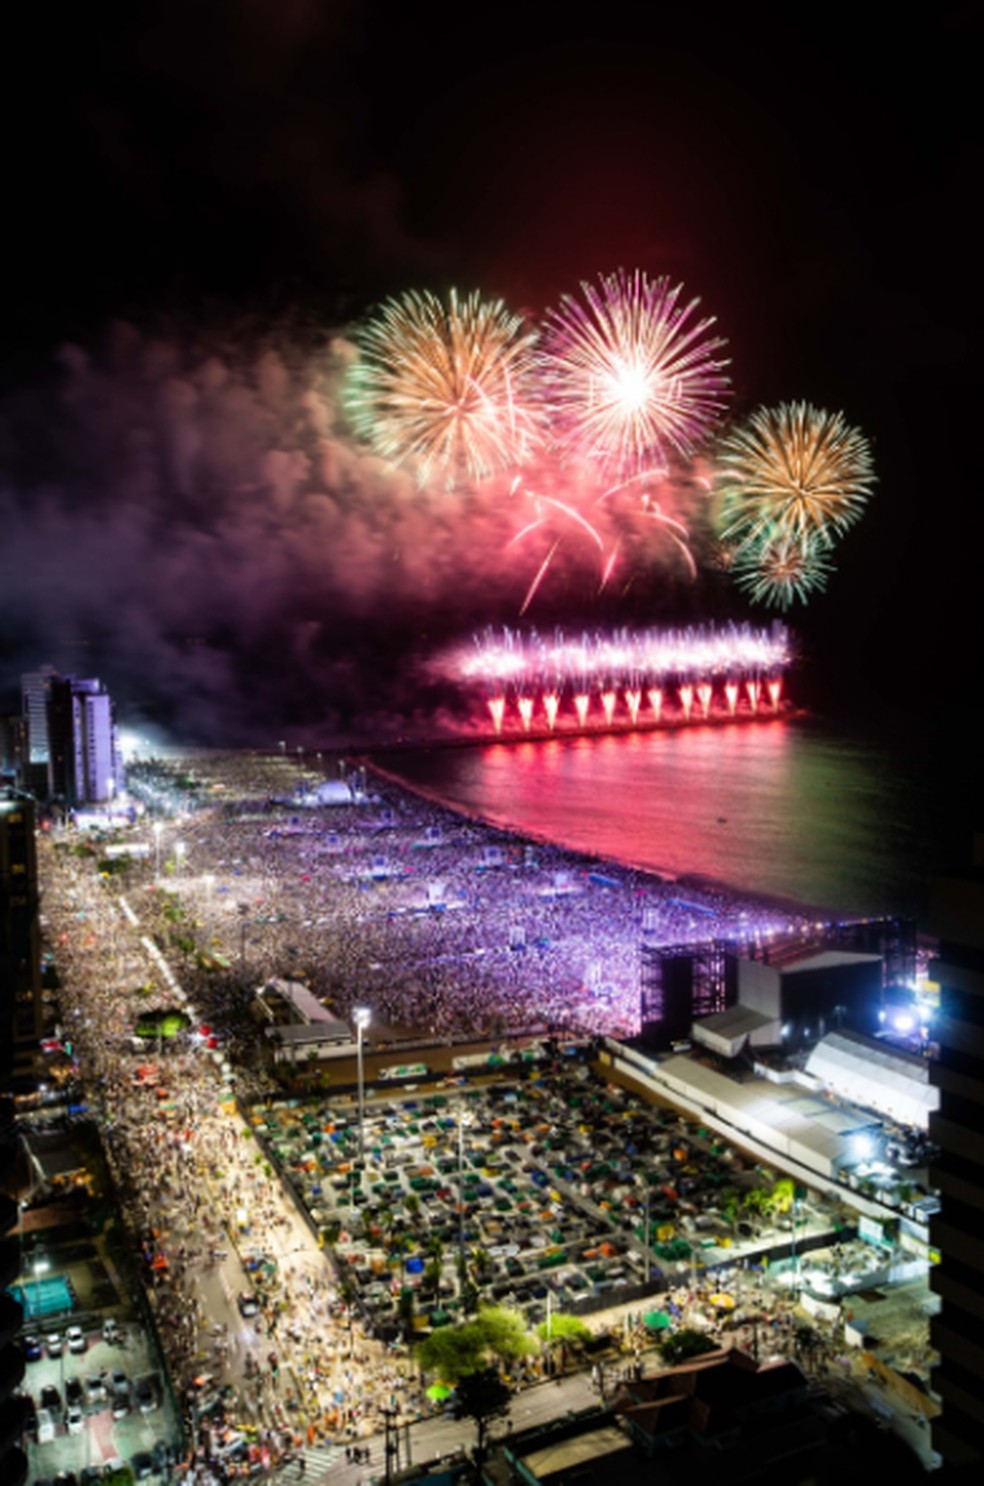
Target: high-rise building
x,y
35,696
20,959
957,920
84,765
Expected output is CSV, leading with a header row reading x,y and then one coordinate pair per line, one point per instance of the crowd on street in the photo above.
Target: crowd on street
x,y
301,1369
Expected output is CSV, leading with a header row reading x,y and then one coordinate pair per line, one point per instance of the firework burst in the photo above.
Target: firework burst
x,y
631,376
782,569
792,476
445,387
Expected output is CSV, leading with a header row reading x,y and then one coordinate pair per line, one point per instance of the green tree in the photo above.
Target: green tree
x,y
782,1196
756,1201
731,1206
570,1330
405,1307
452,1352
563,1332
506,1335
495,1335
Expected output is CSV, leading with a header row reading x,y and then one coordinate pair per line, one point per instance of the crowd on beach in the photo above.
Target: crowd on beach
x,y
439,923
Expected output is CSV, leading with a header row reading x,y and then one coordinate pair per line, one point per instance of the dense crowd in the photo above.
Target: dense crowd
x,y
440,924
444,926
303,1368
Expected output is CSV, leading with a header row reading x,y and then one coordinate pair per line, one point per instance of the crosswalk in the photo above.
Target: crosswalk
x,y
318,1461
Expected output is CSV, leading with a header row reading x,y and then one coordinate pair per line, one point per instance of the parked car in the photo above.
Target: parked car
x,y
46,1427
33,1350
163,1456
51,1400
74,1392
96,1391
248,1304
145,1395
120,1393
74,1419
53,1343
76,1339
111,1330
143,1465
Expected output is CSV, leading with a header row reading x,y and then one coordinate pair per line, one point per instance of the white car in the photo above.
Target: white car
x,y
96,1391
75,1420
75,1337
53,1343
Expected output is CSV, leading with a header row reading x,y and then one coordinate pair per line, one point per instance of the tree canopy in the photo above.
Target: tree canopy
x,y
570,1330
455,1352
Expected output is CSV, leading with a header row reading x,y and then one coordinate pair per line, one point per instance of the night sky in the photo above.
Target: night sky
x,y
200,202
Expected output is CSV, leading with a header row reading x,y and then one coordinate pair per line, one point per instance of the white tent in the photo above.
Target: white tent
x,y
862,1069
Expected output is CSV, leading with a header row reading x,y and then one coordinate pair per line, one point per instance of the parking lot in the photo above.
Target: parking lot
x,y
530,1194
98,1398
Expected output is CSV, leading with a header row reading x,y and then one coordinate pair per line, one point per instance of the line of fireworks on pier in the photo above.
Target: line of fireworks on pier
x,y
594,420
623,678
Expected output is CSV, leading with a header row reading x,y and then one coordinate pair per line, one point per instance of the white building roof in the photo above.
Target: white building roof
x,y
805,1127
725,1031
861,1068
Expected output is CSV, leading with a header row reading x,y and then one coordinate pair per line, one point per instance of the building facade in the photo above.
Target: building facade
x,y
20,957
84,766
957,1128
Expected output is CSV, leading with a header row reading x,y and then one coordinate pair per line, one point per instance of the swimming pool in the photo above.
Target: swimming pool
x,y
49,1296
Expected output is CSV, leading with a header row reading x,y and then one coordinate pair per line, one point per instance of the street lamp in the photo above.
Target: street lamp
x,y
209,882
38,1268
361,1016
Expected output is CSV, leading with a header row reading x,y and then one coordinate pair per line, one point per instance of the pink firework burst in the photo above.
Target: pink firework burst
x,y
632,376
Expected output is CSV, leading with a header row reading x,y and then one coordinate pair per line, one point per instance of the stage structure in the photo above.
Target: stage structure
x,y
620,680
841,976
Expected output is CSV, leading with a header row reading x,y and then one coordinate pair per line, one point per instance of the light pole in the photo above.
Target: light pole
x,y
243,909
361,1016
209,882
38,1268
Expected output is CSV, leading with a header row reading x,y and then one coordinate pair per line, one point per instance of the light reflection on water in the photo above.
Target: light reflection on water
x,y
781,807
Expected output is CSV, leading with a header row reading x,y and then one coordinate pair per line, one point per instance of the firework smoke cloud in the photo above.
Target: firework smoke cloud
x,y
255,524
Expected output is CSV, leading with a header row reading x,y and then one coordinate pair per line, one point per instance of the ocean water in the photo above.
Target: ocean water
x,y
844,818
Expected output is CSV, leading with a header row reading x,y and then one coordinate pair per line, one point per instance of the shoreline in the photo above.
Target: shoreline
x,y
698,881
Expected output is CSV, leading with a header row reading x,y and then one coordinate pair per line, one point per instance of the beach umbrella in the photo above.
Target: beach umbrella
x,y
438,1392
656,1320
